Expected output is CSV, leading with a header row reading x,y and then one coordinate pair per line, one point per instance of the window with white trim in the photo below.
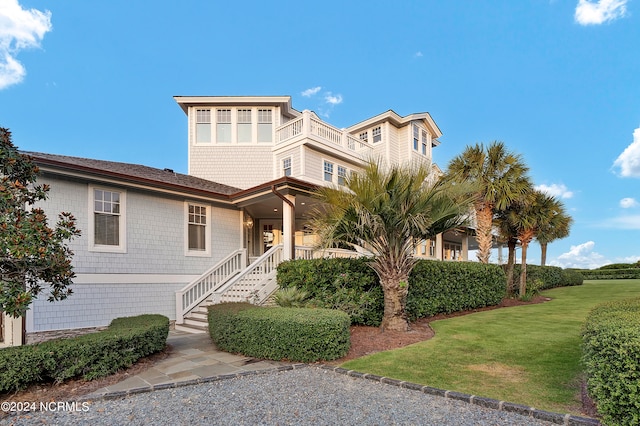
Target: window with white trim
x,y
265,125
197,229
107,220
376,132
416,137
203,126
364,137
286,166
424,142
244,125
328,171
342,175
223,125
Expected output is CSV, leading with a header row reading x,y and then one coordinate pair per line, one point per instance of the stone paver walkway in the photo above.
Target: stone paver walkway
x,y
194,358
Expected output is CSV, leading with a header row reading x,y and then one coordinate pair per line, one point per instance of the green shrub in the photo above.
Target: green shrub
x,y
611,354
571,277
435,287
444,287
290,297
89,356
293,334
611,274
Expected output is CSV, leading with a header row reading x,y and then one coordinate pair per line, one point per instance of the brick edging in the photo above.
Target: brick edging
x,y
561,419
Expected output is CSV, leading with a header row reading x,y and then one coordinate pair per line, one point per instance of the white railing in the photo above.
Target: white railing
x,y
307,125
199,289
304,252
254,282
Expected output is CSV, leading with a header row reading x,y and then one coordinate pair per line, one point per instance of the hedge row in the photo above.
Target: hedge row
x,y
549,276
89,356
611,274
293,334
435,287
611,354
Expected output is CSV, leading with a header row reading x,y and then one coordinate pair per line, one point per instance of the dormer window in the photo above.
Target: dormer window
x,y
364,137
377,134
424,142
416,137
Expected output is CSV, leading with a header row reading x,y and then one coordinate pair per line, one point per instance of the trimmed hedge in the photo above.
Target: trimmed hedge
x,y
611,354
548,276
435,287
89,356
611,274
293,334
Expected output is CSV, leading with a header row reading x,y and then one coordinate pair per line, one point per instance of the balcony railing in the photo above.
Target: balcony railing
x,y
309,126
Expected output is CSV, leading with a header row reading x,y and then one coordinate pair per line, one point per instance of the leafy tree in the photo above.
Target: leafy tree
x,y
32,254
387,211
499,176
556,228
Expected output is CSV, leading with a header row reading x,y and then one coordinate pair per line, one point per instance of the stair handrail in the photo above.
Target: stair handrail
x,y
202,287
271,257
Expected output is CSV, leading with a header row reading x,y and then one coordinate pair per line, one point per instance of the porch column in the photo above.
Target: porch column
x,y
465,247
288,227
439,247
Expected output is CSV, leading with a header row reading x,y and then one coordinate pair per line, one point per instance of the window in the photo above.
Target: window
x,y
328,171
286,166
416,137
203,126
197,229
265,125
364,137
424,142
377,134
244,125
342,175
106,221
223,125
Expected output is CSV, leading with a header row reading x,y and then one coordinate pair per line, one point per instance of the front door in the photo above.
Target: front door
x,y
271,234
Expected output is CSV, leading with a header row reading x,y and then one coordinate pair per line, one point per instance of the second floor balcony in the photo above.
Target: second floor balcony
x,y
324,136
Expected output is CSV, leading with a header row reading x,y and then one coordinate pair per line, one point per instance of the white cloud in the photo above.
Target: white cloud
x,y
555,190
333,99
581,256
418,55
598,12
19,29
312,91
629,160
627,203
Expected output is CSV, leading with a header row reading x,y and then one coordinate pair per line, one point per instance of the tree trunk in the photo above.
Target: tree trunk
x,y
395,291
484,221
523,271
543,257
511,262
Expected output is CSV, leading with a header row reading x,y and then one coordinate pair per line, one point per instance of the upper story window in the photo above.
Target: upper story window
x,y
265,125
107,222
197,229
328,171
286,166
424,142
364,137
223,125
244,125
203,126
342,175
377,134
416,137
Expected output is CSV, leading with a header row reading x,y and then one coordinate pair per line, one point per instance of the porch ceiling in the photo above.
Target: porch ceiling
x,y
269,206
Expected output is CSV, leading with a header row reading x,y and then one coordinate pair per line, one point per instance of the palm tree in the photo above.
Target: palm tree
x,y
500,177
533,213
387,211
556,229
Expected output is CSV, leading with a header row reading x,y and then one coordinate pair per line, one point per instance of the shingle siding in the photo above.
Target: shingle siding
x,y
221,164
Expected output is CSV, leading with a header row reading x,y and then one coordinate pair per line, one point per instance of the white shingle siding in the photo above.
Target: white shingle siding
x,y
239,166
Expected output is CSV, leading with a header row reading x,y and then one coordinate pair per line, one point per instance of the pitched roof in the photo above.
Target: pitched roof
x,y
134,173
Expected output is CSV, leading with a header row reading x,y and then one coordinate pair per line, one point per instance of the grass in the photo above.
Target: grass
x,y
524,354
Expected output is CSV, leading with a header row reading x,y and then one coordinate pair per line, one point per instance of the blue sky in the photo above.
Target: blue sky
x,y
558,81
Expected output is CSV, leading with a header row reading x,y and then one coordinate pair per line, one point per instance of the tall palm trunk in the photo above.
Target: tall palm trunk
x,y
511,262
543,256
525,238
395,288
484,219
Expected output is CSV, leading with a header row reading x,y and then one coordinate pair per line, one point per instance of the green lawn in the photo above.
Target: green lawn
x,y
524,354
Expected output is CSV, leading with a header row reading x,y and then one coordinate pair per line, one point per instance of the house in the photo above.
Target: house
x,y
156,241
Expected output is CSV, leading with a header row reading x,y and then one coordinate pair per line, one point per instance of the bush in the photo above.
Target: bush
x,y
435,287
444,287
293,334
611,354
89,356
571,277
611,274
290,297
